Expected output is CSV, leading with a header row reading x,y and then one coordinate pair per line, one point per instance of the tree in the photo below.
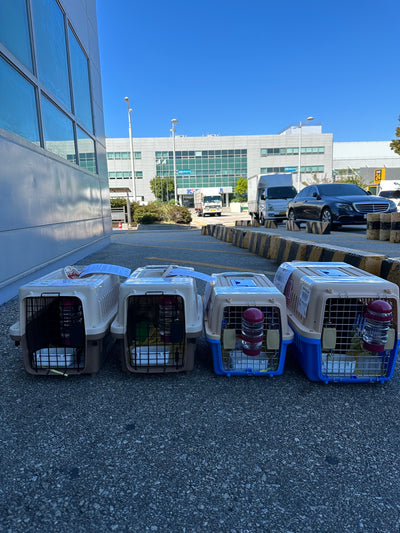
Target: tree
x,y
163,188
241,189
395,144
356,179
341,176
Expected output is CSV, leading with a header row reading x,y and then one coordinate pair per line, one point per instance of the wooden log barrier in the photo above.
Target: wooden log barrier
x,y
373,225
394,227
384,226
292,225
322,228
270,224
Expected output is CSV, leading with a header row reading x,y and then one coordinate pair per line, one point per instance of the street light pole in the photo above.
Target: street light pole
x,y
173,122
300,126
131,149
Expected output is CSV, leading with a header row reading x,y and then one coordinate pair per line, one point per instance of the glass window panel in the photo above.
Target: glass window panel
x,y
80,82
139,175
87,152
58,131
18,112
110,155
138,155
51,48
14,30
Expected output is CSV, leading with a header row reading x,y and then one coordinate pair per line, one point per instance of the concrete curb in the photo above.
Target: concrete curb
x,y
281,249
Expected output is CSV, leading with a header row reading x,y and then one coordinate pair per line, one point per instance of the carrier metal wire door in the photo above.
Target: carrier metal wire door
x,y
156,334
55,332
343,354
233,356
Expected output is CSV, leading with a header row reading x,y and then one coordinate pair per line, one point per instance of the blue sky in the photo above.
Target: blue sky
x,y
232,67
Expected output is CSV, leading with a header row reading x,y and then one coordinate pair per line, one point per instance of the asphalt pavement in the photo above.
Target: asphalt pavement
x,y
193,452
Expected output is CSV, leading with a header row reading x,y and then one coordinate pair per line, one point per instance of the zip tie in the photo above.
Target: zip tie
x,y
58,372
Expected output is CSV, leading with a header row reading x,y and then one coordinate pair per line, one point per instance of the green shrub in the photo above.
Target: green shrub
x,y
156,212
180,215
146,215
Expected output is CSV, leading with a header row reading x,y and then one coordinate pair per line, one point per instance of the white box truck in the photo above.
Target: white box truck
x,y
268,196
390,189
207,204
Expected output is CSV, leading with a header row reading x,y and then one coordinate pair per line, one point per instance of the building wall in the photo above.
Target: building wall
x,y
355,155
55,196
264,154
215,161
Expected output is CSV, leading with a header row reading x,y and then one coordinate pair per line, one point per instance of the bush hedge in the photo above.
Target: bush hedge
x,y
156,212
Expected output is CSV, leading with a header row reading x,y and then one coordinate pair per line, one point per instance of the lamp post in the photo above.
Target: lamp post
x,y
131,149
173,123
300,126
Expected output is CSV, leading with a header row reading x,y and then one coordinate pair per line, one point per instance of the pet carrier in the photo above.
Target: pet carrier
x,y
345,321
65,320
246,325
158,321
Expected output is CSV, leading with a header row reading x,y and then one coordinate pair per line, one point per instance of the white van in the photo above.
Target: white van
x,y
390,189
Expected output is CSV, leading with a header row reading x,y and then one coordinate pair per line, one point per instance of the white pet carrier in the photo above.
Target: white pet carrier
x,y
246,325
64,321
339,336
158,321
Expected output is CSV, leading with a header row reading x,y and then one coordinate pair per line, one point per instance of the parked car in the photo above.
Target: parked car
x,y
337,203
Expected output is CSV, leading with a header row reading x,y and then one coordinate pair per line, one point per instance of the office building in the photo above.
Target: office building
x,y
216,162
55,195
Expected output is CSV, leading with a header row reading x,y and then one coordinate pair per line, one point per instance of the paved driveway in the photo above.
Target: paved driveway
x,y
194,452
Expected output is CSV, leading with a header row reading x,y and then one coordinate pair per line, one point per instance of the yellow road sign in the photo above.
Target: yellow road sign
x,y
379,175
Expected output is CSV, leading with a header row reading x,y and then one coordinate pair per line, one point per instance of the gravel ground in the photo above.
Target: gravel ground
x,y
194,452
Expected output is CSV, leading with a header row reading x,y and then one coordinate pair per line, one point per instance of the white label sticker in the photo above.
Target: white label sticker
x,y
303,300
282,275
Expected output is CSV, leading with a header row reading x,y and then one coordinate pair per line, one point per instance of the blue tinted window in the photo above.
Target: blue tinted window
x,y
14,30
17,104
51,49
80,82
58,131
87,154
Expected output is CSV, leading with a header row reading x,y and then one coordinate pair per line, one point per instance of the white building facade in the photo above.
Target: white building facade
x,y
217,162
